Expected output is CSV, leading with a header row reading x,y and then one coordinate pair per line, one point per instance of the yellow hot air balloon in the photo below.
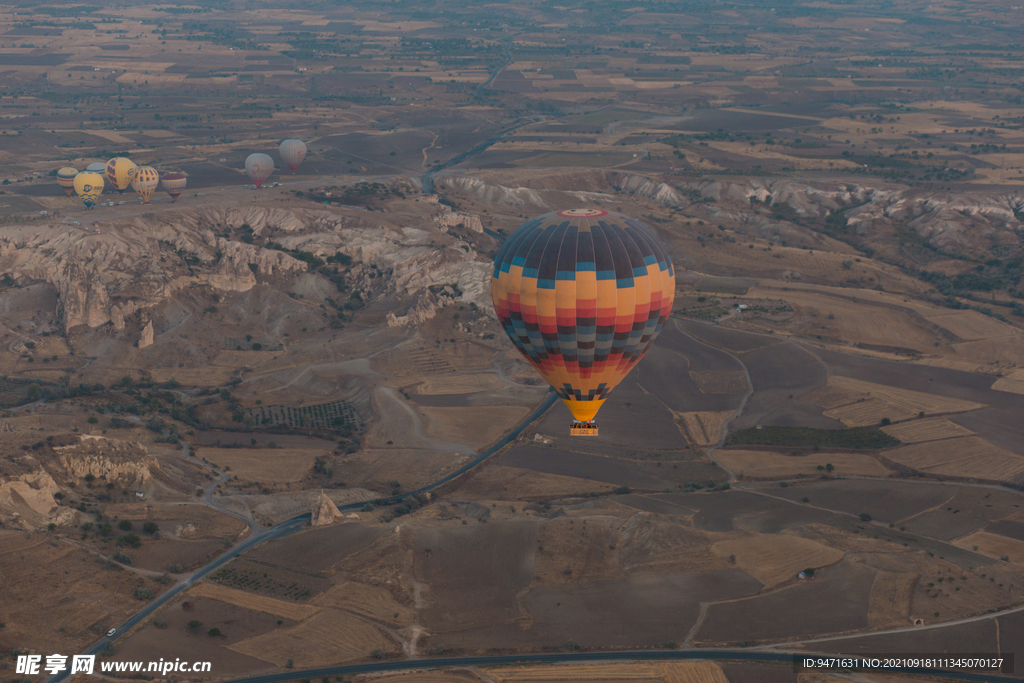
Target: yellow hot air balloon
x,y
120,172
145,182
89,186
66,179
583,293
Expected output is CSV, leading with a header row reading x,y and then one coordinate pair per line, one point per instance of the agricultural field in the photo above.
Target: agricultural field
x,y
969,457
750,464
269,465
334,415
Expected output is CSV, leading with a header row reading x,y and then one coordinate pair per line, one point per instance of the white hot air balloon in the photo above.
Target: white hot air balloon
x,y
259,167
292,153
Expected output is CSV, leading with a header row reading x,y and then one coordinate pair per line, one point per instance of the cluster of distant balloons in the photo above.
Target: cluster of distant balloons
x,y
121,172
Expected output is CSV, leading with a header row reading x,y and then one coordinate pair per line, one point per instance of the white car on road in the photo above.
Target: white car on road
x,y
111,632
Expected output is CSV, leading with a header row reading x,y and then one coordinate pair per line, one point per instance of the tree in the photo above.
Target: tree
x,y
195,625
865,517
213,632
32,392
93,420
829,467
124,525
150,528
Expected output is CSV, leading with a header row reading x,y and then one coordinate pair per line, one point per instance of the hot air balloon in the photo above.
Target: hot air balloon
x,y
259,167
120,172
66,179
292,153
97,167
89,186
583,293
145,182
174,184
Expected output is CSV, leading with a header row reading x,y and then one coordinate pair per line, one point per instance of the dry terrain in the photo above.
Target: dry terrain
x,y
836,184
775,465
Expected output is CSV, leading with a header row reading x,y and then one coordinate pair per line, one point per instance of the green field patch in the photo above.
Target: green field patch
x,y
709,314
725,285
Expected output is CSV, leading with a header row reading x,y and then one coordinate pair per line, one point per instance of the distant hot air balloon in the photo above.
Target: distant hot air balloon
x,y
89,186
259,167
145,182
292,153
120,172
97,167
66,179
174,184
583,294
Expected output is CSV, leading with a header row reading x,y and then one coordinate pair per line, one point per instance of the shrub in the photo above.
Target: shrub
x,y
143,593
129,540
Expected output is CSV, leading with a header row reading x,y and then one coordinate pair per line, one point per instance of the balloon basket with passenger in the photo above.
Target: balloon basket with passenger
x,y
582,428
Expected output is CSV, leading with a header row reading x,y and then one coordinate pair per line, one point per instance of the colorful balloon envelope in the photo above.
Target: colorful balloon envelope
x,y
292,153
97,167
174,184
89,187
145,182
66,179
120,172
259,167
583,293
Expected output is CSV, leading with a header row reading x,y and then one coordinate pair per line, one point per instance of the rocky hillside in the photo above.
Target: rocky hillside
x,y
784,209
34,477
125,266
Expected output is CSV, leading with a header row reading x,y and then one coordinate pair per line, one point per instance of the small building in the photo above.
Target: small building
x,y
140,494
